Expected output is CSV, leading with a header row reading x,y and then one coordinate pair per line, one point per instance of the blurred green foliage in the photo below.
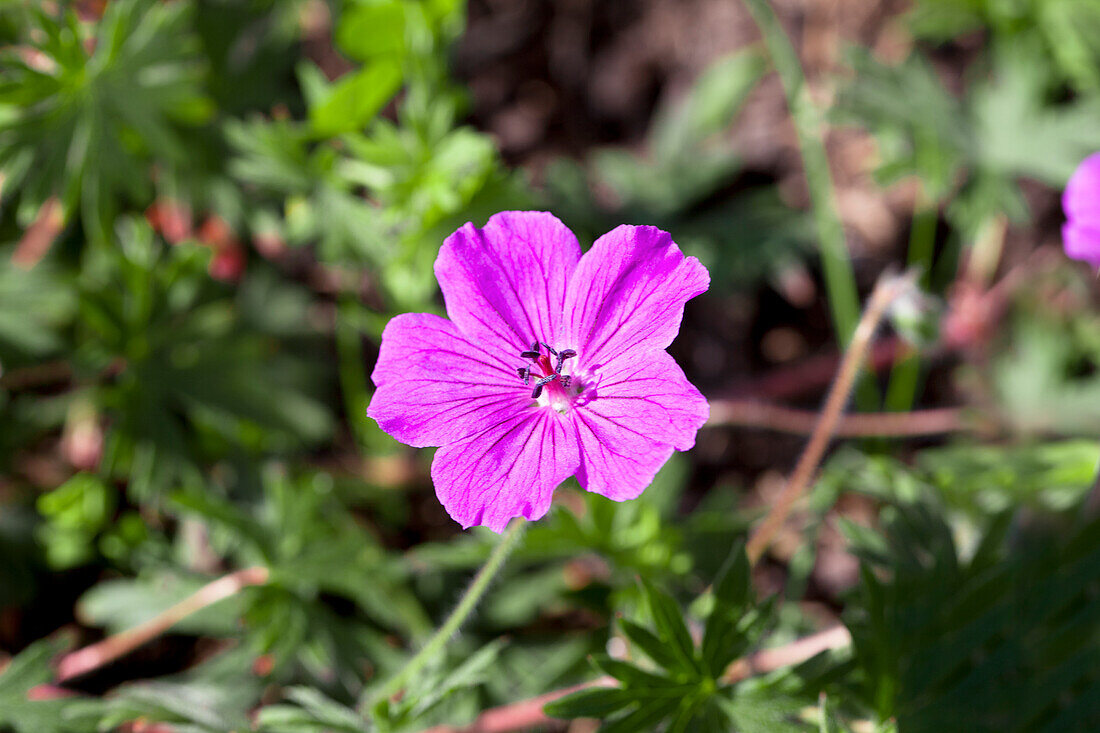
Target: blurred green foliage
x,y
970,154
85,126
674,184
1067,30
210,208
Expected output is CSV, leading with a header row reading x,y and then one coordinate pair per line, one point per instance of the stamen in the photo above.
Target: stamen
x,y
565,354
541,383
542,364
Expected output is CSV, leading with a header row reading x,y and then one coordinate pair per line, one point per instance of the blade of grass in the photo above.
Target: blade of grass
x,y
840,280
836,265
353,382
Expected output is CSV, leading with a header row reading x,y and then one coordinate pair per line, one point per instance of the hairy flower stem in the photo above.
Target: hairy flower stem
x,y
886,292
462,611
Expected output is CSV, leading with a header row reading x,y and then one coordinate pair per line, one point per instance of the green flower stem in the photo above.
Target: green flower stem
x,y
462,611
840,282
905,376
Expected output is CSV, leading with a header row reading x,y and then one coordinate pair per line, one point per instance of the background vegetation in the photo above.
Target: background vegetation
x,y
210,209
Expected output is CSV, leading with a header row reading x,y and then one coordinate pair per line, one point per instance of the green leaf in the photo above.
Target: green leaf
x,y
645,717
26,671
1020,135
732,587
313,712
922,132
630,675
599,702
731,596
34,305
369,30
670,625
355,99
651,646
762,711
431,689
75,513
193,706
827,720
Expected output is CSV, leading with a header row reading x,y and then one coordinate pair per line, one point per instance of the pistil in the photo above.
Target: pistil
x,y
547,377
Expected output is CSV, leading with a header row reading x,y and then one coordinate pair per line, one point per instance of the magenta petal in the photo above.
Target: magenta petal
x,y
509,470
618,460
1082,242
1081,199
628,292
639,412
504,285
434,387
649,392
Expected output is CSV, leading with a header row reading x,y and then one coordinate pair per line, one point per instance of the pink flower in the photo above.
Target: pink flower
x,y
551,365
1081,201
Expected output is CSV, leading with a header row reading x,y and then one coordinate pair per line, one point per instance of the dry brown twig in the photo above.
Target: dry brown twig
x,y
40,235
888,289
82,661
752,414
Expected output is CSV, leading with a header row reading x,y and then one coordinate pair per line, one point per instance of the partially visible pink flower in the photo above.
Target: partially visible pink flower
x,y
1081,201
171,218
227,265
551,365
228,262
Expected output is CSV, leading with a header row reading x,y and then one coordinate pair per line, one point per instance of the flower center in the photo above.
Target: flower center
x,y
547,376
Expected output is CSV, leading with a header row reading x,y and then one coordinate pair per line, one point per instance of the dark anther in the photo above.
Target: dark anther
x,y
533,353
541,383
536,354
562,356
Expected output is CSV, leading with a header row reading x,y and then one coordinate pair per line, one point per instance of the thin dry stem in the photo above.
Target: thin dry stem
x,y
40,235
751,414
92,657
886,291
798,651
